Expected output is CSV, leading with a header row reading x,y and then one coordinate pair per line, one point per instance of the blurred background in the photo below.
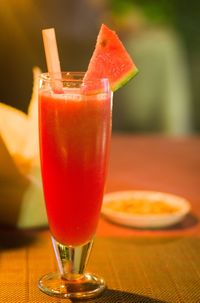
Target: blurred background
x,y
163,37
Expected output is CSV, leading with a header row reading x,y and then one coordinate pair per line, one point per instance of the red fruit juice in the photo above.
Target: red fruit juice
x,y
74,146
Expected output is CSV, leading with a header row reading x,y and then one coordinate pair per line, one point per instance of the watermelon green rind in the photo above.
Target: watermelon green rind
x,y
124,80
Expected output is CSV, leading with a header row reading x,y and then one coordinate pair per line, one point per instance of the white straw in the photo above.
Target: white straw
x,y
52,58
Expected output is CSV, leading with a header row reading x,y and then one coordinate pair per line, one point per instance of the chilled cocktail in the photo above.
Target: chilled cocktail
x,y
75,130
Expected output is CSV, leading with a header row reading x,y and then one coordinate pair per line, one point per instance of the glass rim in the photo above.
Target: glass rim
x,y
68,76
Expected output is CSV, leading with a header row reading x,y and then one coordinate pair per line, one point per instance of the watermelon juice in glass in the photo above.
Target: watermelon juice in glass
x,y
75,130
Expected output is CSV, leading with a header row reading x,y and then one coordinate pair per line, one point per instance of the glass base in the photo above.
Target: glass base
x,y
88,286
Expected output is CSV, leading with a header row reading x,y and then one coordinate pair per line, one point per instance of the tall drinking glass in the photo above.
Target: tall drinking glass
x,y
75,130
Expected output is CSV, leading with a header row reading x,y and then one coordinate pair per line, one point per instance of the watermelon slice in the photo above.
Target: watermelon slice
x,y
110,60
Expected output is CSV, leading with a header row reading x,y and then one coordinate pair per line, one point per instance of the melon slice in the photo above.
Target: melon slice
x,y
110,60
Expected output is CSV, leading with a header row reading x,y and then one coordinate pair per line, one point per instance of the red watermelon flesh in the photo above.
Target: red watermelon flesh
x,y
110,60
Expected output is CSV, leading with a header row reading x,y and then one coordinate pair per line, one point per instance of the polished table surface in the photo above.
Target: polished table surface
x,y
166,164
138,265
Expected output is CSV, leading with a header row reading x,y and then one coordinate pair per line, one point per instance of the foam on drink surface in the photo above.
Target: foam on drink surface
x,y
74,94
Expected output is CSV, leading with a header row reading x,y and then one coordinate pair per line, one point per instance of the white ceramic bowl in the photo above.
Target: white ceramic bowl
x,y
149,220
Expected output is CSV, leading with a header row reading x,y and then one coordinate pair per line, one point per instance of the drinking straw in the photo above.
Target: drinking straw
x,y
52,58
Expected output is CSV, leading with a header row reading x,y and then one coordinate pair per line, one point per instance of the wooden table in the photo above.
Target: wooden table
x,y
138,265
167,164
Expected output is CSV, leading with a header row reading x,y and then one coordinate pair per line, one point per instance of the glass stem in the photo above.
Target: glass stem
x,y
71,259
